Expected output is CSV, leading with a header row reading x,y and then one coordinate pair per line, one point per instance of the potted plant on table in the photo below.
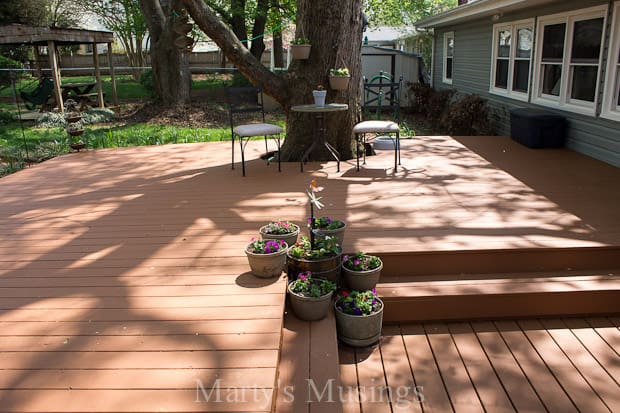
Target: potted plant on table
x,y
361,271
300,48
359,316
310,297
266,257
339,78
280,230
319,94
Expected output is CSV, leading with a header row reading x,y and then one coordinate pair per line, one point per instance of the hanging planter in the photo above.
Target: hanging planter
x,y
339,78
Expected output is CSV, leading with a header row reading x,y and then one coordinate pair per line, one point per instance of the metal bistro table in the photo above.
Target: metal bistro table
x,y
320,131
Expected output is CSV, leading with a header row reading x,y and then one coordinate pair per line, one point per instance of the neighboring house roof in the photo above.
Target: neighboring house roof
x,y
477,9
387,33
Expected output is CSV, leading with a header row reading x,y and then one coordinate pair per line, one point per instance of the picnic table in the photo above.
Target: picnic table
x,y
80,92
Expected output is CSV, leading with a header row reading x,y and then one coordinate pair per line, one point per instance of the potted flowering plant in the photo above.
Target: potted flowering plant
x,y
319,94
320,255
310,297
339,78
361,271
266,257
300,48
323,226
359,316
280,230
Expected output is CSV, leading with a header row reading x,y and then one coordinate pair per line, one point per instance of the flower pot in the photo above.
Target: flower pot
x,y
327,268
75,132
266,265
309,308
77,146
72,118
362,280
338,233
359,330
300,51
319,97
339,82
290,239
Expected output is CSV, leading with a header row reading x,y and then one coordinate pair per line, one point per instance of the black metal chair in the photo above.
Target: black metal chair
x,y
41,95
244,100
381,94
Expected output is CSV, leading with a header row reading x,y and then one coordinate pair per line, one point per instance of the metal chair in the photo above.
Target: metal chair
x,y
41,95
380,94
247,100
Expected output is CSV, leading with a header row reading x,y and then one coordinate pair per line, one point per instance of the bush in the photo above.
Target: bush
x,y
468,116
98,115
430,102
147,80
51,120
5,76
6,117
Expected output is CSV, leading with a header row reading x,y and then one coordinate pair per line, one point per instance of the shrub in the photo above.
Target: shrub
x,y
428,101
468,116
98,115
6,117
51,120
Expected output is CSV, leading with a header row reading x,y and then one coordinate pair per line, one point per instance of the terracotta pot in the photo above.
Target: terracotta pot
x,y
327,268
339,82
309,308
362,280
300,51
359,330
290,239
266,265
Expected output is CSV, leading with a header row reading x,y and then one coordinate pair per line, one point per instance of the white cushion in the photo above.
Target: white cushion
x,y
370,126
257,129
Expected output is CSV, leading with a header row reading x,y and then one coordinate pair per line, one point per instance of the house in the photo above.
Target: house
x,y
562,56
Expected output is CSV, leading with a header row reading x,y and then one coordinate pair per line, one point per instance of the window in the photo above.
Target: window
x,y
512,51
611,98
448,47
568,60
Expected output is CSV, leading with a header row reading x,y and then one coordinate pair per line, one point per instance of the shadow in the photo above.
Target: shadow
x,y
249,280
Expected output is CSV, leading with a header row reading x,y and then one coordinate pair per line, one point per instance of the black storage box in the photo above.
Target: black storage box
x,y
537,128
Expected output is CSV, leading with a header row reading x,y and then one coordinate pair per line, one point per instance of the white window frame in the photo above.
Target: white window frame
x,y
564,101
610,108
444,70
514,28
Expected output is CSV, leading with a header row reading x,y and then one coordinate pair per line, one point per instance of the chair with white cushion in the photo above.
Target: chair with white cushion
x,y
380,95
244,100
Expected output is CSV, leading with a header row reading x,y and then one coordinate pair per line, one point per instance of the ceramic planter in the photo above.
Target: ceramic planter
x,y
319,97
309,308
338,233
359,330
300,51
290,239
362,280
266,265
327,268
339,82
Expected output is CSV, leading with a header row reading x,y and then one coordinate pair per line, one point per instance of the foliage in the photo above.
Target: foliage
x,y
6,118
324,247
468,116
147,80
403,13
340,71
270,246
360,303
280,228
361,262
325,223
5,75
307,286
50,120
31,12
300,40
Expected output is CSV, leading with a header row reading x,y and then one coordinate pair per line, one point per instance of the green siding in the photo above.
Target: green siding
x,y
593,136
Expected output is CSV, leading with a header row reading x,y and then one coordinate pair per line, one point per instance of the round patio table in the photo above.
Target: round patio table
x,y
320,131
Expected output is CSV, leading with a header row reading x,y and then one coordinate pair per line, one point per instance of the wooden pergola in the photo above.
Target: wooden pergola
x,y
20,35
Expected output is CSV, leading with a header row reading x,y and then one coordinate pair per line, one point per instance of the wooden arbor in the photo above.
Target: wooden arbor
x,y
17,34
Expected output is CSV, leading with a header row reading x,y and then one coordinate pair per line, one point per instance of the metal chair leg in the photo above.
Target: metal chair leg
x,y
233,152
279,157
357,151
242,156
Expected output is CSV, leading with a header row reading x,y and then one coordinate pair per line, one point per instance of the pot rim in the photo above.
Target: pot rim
x,y
380,267
288,288
260,230
271,254
358,316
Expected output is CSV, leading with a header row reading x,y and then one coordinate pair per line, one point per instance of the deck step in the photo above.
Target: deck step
x,y
470,296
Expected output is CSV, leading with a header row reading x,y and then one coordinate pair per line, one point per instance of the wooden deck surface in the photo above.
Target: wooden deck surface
x,y
123,283
554,365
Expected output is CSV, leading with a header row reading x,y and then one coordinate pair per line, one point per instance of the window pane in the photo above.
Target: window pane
x,y
587,40
552,75
584,83
553,42
524,42
501,73
503,43
450,42
521,76
449,68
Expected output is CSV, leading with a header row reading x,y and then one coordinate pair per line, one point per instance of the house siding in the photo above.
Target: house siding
x,y
593,136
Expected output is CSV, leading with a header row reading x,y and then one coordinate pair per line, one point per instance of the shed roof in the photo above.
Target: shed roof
x,y
20,34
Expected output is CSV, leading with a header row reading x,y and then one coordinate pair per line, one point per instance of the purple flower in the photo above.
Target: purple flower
x,y
357,311
374,291
328,219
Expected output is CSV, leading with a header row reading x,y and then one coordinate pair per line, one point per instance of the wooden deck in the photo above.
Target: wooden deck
x,y
123,284
554,365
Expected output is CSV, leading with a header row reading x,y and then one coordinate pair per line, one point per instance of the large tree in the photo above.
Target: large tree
x,y
335,30
167,23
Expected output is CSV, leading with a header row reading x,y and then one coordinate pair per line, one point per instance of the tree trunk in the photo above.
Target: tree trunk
x,y
170,65
278,56
335,32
